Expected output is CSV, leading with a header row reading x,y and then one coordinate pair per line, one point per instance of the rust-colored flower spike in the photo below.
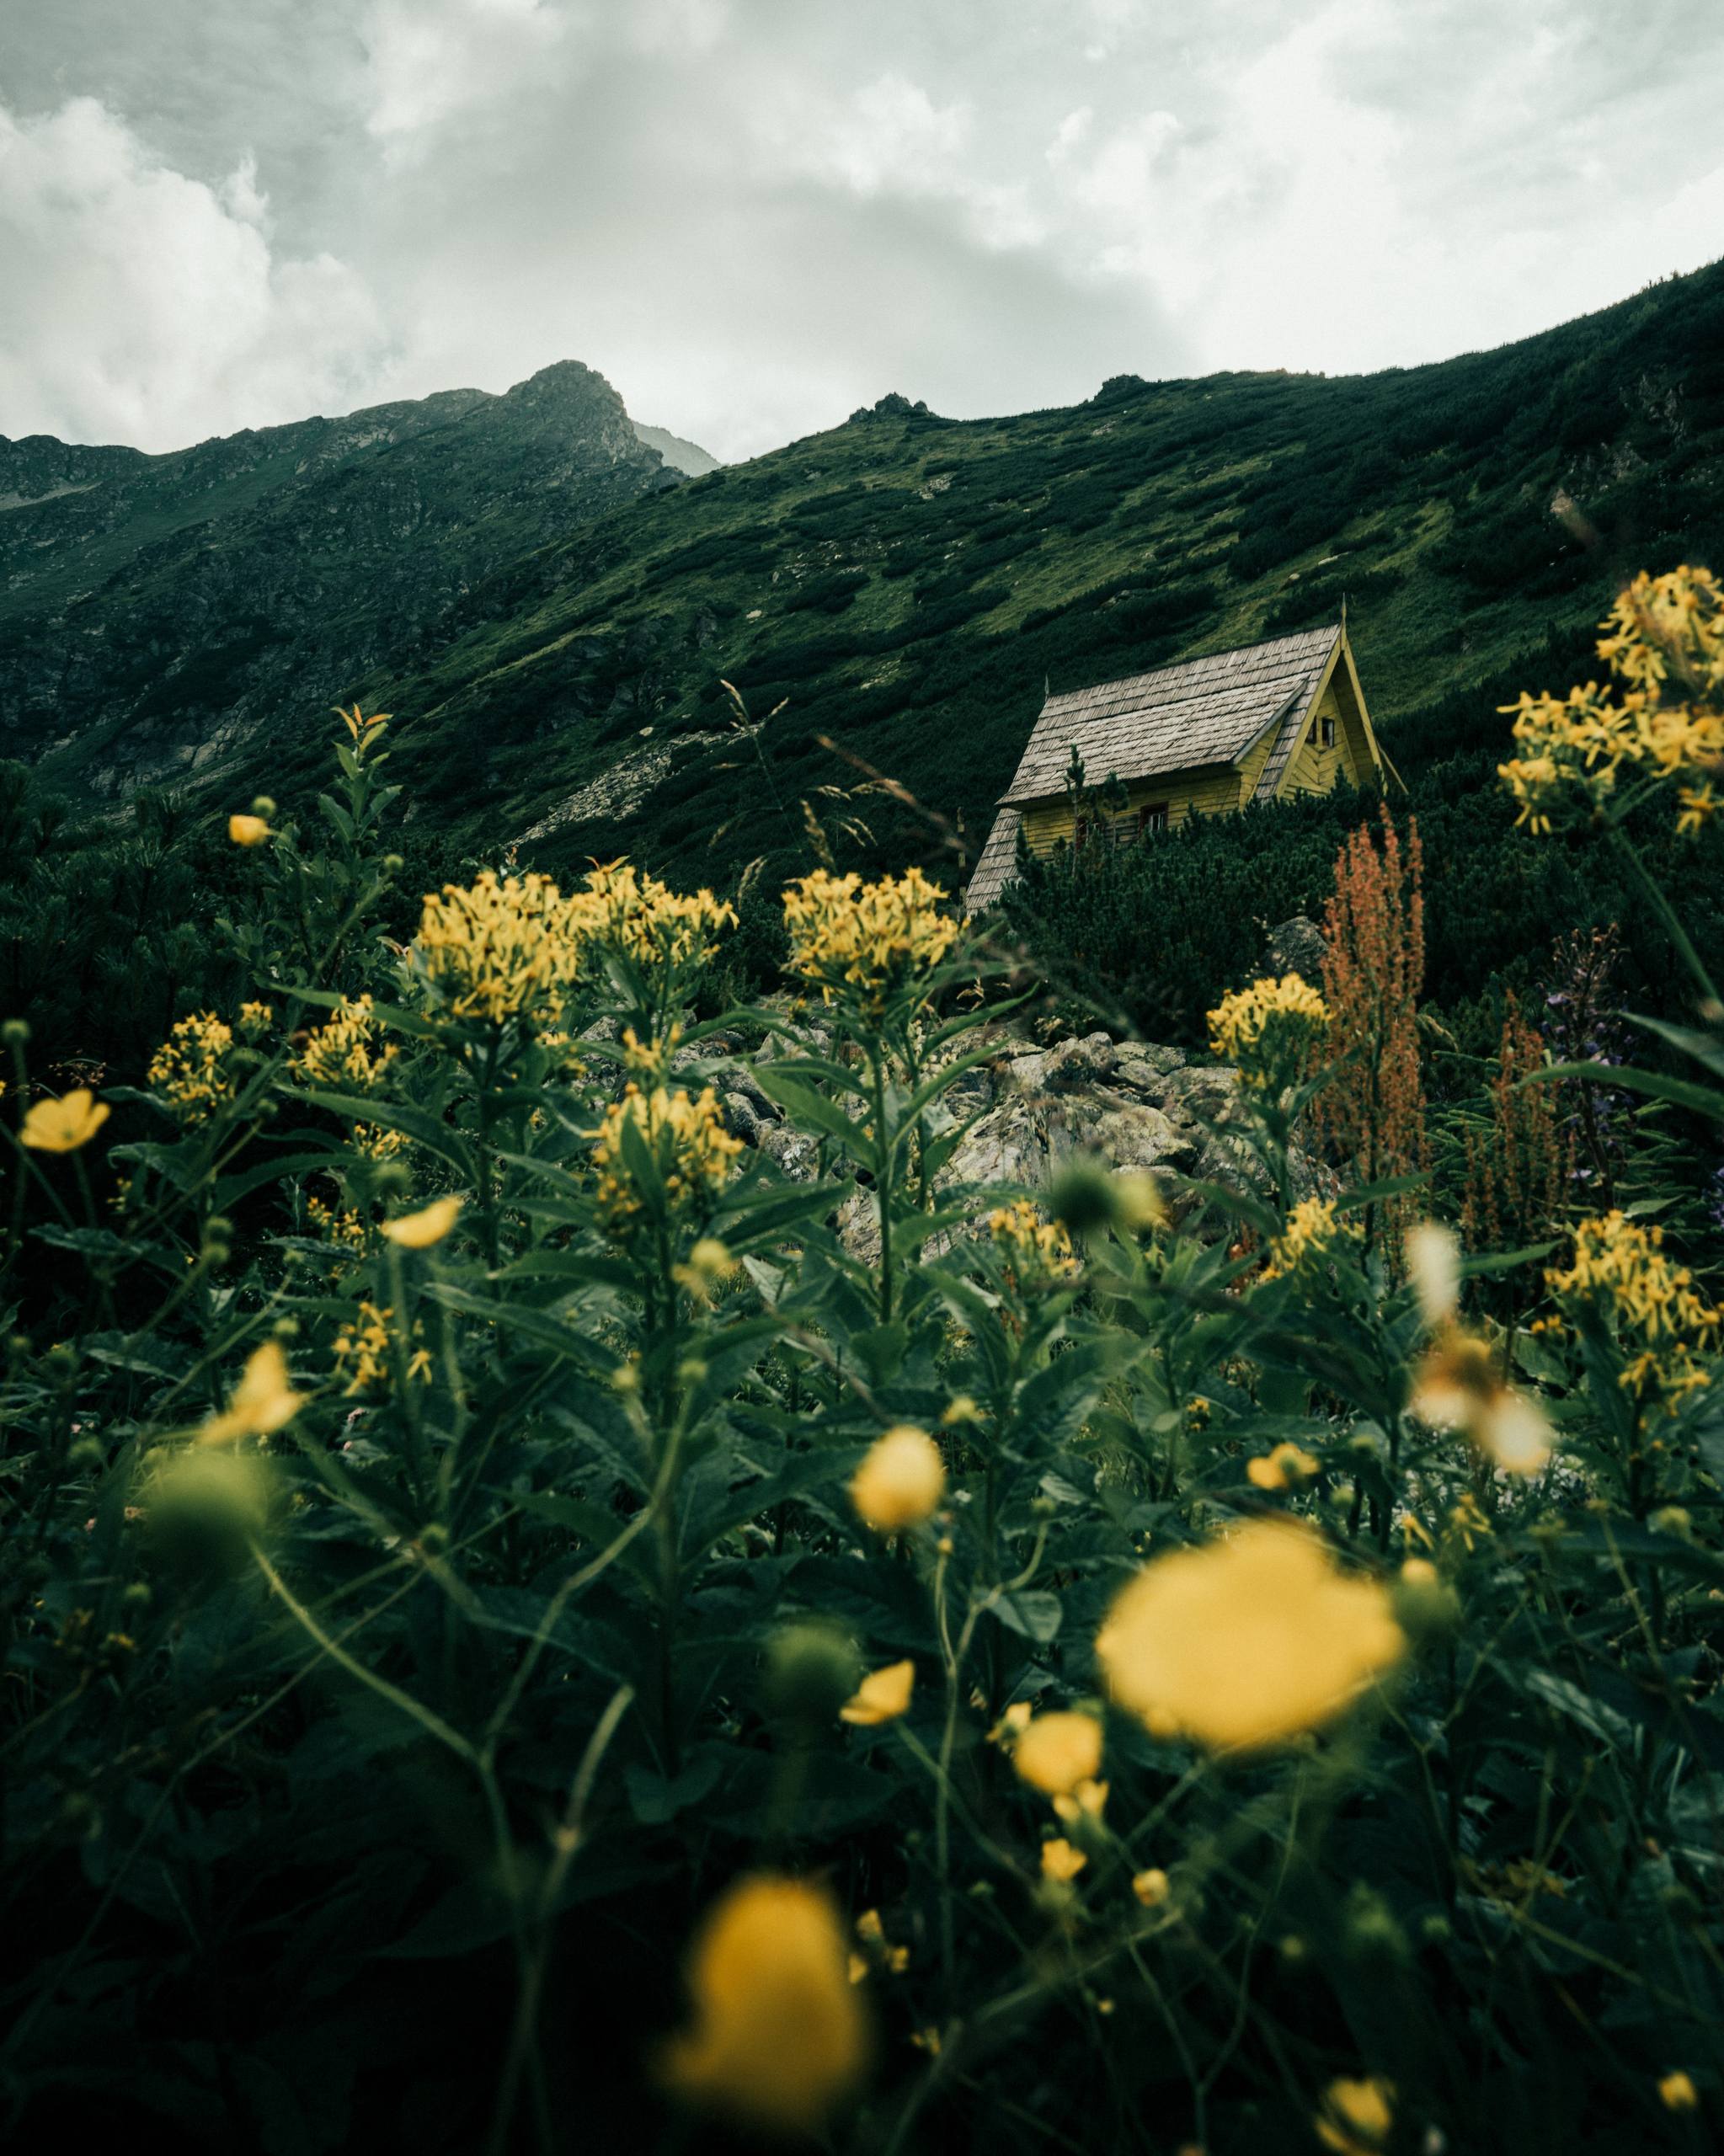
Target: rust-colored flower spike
x,y
1373,1108
779,2037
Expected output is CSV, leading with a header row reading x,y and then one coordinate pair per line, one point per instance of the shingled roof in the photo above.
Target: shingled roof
x,y
1179,718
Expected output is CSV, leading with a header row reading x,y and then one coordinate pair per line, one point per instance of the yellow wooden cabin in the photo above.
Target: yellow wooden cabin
x,y
1198,738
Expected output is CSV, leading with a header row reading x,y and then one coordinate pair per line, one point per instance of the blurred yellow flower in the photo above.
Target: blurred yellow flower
x,y
779,2037
1246,1642
1676,2093
1087,1800
1060,1860
247,830
902,1478
429,1224
1152,1887
882,1696
1457,1387
1282,1468
1314,1232
1356,2116
1056,1752
261,1402
62,1126
1433,1255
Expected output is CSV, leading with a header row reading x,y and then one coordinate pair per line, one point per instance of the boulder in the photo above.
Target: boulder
x,y
1296,947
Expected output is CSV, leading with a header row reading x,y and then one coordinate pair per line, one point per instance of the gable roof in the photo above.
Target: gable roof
x,y
1198,711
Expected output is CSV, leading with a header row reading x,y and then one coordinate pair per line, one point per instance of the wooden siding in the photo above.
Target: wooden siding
x,y
1209,792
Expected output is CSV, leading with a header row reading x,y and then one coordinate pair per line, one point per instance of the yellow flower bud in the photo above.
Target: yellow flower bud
x,y
249,830
429,1224
882,1696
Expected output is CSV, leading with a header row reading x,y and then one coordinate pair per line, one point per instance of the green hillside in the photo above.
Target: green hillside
x,y
905,584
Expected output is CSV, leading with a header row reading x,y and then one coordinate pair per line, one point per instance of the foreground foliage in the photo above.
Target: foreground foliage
x,y
526,1625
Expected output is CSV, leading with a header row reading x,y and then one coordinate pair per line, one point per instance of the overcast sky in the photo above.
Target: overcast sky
x,y
754,214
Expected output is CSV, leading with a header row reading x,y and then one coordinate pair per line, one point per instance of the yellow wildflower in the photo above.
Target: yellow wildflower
x,y
193,1068
1012,1724
429,1224
1056,1752
364,730
1356,2116
1038,1252
249,830
900,1480
1060,1860
867,942
642,920
1677,2092
261,1402
499,949
1667,645
1271,1030
882,1696
779,2038
62,1126
1152,1887
343,1054
1246,1642
872,1932
1313,1232
1660,1320
363,1351
690,1146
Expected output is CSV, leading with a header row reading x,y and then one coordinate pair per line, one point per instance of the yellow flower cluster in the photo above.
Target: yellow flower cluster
x,y
687,1139
866,940
1039,1252
644,919
502,948
193,1068
1247,1642
343,1054
1270,1030
1313,1232
1621,1271
1666,643
779,2037
362,1352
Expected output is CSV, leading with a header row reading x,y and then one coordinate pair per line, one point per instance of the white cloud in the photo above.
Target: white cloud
x,y
431,60
145,307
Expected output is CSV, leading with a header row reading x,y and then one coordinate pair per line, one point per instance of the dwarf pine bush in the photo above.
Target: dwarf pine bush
x,y
519,1634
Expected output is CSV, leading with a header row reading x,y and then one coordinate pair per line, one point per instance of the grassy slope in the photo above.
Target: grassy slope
x,y
905,583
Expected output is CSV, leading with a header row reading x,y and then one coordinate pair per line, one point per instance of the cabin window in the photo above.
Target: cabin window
x,y
1322,734
1151,817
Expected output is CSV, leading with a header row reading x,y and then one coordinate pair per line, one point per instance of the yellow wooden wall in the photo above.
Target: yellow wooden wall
x,y
1206,793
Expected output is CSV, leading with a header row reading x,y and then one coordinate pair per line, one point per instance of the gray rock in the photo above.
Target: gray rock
x,y
740,1120
1296,947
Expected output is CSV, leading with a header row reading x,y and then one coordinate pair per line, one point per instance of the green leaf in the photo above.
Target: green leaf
x,y
1653,1084
1033,1613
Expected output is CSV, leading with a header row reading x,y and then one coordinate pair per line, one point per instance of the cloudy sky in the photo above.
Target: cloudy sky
x,y
754,214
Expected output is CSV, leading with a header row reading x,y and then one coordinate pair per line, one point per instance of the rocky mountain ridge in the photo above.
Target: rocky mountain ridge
x,y
159,611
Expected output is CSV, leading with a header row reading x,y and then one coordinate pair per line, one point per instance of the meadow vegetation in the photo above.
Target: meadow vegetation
x,y
518,1634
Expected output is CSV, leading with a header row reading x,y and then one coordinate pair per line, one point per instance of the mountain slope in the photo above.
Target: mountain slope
x,y
687,458
907,584
156,611
551,615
